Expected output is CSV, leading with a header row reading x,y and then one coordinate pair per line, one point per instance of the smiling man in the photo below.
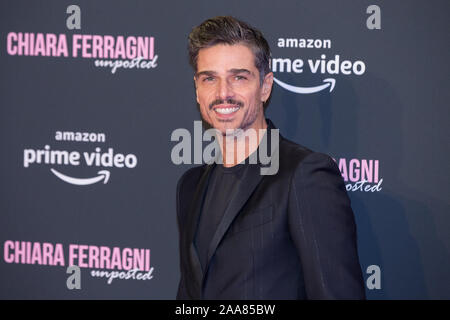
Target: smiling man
x,y
228,86
244,235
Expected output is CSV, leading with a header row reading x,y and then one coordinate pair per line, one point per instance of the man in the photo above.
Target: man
x,y
245,235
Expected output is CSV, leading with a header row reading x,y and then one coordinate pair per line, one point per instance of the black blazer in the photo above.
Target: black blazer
x,y
291,235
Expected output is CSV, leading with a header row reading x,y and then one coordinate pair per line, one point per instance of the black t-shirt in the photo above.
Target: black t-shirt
x,y
222,186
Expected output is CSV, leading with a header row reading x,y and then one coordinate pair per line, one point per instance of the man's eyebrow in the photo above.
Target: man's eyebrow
x,y
232,71
205,73
236,71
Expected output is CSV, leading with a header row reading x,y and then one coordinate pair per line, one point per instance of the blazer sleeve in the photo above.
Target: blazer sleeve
x,y
322,226
181,292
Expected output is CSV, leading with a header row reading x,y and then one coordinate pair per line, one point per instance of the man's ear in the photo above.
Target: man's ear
x,y
267,86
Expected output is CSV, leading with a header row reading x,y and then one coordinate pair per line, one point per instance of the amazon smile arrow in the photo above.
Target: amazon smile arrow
x,y
103,175
329,82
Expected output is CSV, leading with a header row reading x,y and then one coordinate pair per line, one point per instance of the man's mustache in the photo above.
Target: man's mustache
x,y
227,101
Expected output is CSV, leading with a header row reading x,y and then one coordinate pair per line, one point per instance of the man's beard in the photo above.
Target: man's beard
x,y
250,116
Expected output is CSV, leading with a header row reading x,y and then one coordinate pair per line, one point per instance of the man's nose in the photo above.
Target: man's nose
x,y
224,90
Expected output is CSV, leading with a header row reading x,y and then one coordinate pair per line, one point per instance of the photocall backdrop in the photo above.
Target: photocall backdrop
x,y
90,96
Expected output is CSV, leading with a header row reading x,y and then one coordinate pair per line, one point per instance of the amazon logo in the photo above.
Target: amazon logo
x,y
334,66
98,158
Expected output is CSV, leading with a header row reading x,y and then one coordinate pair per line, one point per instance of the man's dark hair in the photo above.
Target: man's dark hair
x,y
229,30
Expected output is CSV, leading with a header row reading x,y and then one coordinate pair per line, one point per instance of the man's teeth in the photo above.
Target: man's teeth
x,y
226,110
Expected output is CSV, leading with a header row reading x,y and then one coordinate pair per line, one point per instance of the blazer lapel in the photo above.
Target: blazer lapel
x,y
192,223
251,179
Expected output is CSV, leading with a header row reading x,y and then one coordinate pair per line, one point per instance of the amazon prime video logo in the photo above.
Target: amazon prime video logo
x,y
99,158
326,66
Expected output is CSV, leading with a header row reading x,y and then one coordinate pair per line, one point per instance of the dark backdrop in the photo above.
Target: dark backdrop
x,y
394,115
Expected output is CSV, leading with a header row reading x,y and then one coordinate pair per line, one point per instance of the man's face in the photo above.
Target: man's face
x,y
228,88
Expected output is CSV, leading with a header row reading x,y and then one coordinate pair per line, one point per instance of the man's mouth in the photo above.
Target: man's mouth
x,y
228,110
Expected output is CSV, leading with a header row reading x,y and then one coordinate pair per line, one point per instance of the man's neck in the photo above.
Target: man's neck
x,y
237,147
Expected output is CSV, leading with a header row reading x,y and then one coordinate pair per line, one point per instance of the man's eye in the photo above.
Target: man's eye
x,y
240,78
208,79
